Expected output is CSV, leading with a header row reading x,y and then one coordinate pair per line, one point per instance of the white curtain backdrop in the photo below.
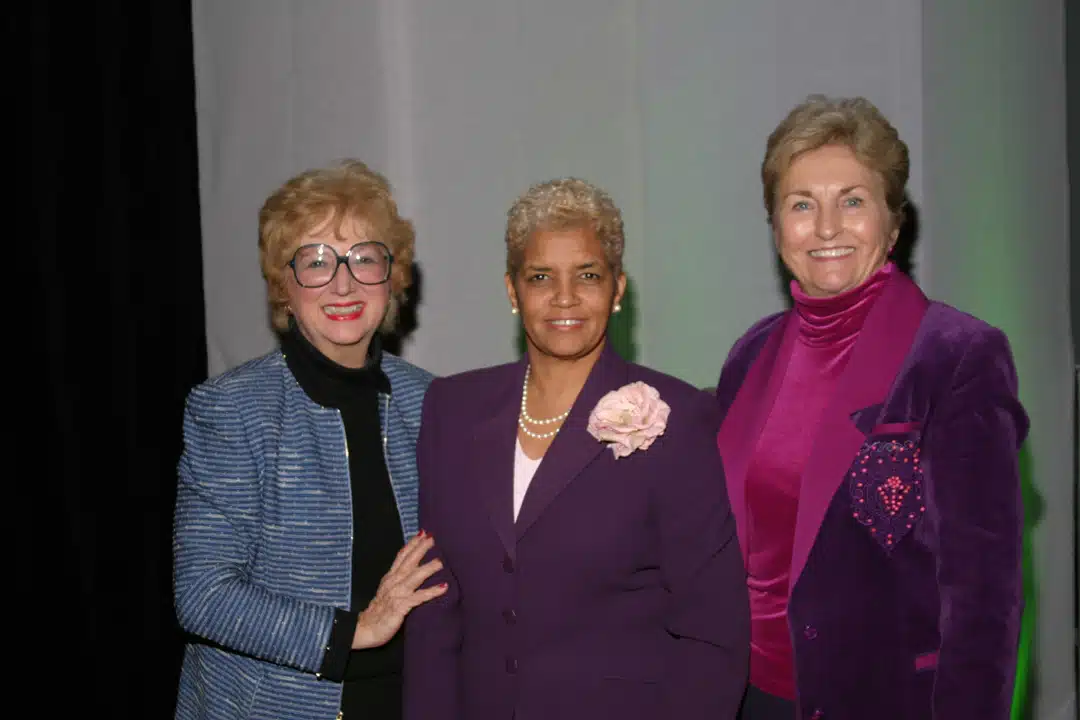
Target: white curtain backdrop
x,y
667,104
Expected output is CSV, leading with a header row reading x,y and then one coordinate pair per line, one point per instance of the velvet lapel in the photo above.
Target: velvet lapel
x,y
746,417
573,448
492,453
884,342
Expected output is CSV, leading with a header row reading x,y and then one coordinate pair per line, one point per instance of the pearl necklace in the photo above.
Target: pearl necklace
x,y
524,417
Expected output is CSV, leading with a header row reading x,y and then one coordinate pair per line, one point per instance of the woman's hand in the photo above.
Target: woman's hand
x,y
398,594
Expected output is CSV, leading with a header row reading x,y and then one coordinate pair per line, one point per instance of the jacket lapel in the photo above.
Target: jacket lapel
x,y
884,342
492,454
745,418
573,448
398,416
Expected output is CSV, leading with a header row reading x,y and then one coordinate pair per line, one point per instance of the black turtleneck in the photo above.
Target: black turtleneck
x,y
372,677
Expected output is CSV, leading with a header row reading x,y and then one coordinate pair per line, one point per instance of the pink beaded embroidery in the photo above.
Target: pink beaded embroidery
x,y
885,482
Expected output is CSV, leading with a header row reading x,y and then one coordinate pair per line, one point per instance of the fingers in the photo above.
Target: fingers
x,y
413,551
422,596
417,576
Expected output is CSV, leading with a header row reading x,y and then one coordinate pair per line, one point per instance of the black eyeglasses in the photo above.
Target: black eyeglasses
x,y
316,265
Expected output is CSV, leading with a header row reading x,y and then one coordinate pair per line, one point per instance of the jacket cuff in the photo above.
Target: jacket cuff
x,y
338,645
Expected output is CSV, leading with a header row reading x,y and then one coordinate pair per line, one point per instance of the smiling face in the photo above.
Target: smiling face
x,y
341,317
564,292
832,227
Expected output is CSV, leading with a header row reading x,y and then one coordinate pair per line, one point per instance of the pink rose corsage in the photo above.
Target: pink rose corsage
x,y
629,418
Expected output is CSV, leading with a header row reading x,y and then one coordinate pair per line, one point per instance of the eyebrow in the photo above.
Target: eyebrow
x,y
843,191
544,268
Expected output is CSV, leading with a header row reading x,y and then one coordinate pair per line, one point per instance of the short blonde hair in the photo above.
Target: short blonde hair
x,y
349,190
564,204
852,122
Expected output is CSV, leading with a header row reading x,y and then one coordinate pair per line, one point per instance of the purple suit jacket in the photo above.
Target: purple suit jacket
x,y
905,595
618,592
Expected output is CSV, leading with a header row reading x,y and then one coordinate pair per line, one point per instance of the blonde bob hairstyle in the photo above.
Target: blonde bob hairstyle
x,y
564,204
852,122
349,191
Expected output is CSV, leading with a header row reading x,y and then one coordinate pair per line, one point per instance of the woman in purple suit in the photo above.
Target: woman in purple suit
x,y
870,440
579,509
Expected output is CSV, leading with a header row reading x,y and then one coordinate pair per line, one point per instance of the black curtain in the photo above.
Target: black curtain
x,y
114,305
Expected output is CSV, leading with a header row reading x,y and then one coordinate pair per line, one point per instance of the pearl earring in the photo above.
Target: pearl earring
x,y
513,311
617,307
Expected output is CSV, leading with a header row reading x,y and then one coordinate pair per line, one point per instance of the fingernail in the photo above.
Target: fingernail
x,y
421,533
443,585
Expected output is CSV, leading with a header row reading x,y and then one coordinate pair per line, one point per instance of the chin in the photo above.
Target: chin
x,y
833,285
564,350
345,338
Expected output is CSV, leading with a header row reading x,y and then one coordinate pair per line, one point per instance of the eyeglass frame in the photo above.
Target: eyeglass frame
x,y
343,260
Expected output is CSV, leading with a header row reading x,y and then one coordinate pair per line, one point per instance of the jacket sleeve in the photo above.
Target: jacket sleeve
x,y
433,632
975,501
740,358
708,612
215,536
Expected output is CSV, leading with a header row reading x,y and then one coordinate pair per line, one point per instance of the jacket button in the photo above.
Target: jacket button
x,y
508,564
510,616
511,665
810,632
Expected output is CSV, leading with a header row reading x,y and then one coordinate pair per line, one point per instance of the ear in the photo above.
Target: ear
x,y
511,292
893,237
620,288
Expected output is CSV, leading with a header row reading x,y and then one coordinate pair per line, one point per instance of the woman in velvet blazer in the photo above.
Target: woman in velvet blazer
x,y
870,438
608,584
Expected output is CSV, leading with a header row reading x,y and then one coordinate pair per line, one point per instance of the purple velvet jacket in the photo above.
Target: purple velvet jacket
x,y
905,595
618,592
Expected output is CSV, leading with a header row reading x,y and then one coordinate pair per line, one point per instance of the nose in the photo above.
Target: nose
x,y
565,294
828,222
342,281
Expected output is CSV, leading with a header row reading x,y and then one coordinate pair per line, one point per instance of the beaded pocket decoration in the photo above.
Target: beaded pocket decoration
x,y
886,488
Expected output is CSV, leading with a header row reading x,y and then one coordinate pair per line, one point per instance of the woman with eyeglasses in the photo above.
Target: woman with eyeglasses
x,y
296,546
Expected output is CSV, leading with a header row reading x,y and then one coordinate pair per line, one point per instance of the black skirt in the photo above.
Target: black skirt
x,y
372,698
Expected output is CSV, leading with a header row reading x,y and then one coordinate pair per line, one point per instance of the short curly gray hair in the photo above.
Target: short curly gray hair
x,y
564,204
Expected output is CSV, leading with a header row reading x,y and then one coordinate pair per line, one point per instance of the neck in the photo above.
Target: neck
x,y
349,356
554,382
836,320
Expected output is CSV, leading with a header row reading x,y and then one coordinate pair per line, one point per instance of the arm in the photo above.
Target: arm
x,y
433,633
741,357
215,539
976,504
709,612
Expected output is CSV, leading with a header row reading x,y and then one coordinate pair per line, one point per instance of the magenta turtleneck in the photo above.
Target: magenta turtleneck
x,y
827,329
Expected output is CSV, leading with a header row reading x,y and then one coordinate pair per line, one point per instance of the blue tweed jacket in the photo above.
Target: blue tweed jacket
x,y
262,537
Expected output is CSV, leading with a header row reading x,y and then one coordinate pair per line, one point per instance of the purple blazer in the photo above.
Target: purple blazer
x,y
905,595
619,591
